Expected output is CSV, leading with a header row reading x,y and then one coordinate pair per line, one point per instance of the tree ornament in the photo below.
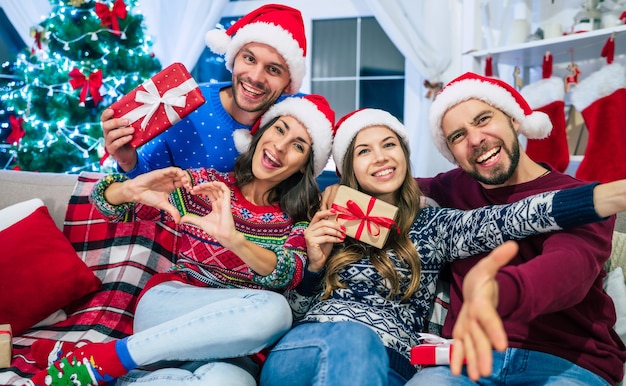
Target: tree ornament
x,y
608,51
76,3
110,16
90,84
40,36
433,88
546,67
488,66
17,129
518,82
572,78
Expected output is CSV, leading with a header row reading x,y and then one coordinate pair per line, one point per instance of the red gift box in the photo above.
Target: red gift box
x,y
366,218
434,351
159,102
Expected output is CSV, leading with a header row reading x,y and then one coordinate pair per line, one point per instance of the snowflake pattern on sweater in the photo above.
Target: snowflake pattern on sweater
x,y
440,235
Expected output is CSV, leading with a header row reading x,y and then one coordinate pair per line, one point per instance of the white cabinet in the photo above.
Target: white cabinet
x,y
577,47
493,22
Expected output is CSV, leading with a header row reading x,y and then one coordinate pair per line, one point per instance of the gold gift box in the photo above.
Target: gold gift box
x,y
366,218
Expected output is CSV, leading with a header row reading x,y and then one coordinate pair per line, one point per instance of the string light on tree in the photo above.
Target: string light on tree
x,y
84,56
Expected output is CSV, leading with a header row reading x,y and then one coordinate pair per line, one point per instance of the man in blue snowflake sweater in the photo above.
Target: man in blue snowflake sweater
x,y
265,50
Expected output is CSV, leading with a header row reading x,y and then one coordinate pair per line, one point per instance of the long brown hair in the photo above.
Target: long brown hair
x,y
298,195
407,201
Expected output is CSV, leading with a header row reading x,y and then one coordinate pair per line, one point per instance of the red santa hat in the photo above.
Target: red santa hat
x,y
533,124
276,25
313,111
350,124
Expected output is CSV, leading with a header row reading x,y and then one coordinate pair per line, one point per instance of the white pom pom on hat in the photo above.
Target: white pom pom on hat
x,y
533,124
276,25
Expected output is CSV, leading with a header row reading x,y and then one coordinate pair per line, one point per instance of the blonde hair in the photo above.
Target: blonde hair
x,y
407,201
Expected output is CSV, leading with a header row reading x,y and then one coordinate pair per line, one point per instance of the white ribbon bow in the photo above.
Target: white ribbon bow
x,y
442,353
151,100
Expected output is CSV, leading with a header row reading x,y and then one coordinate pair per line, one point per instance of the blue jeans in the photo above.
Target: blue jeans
x,y
329,354
516,367
202,328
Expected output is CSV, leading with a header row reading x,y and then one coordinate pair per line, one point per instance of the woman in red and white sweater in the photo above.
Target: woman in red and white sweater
x,y
241,234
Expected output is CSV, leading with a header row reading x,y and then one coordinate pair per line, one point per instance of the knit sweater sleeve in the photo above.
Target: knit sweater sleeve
x,y
290,261
125,212
462,234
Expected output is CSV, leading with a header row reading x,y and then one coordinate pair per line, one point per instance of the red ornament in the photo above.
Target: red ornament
x,y
91,84
572,78
488,66
546,68
608,51
17,129
109,16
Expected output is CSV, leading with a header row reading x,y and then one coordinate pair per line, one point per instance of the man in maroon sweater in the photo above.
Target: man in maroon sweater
x,y
558,320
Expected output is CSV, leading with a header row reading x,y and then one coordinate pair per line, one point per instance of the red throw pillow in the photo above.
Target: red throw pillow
x,y
40,271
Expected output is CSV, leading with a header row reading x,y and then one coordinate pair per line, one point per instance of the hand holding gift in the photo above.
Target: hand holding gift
x,y
159,103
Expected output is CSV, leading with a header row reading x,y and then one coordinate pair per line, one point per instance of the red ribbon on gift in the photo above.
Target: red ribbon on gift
x,y
17,129
109,16
90,84
352,211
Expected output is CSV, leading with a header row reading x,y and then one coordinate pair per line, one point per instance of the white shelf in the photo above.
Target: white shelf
x,y
576,47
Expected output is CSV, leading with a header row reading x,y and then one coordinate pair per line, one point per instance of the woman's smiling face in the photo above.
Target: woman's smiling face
x,y
379,163
282,150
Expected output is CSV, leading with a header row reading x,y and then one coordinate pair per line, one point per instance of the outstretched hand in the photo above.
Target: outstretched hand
x,y
479,328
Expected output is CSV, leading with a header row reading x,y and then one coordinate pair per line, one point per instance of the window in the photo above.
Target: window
x,y
355,65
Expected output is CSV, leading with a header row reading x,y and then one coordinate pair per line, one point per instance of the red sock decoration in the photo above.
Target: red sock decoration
x,y
601,100
92,364
548,96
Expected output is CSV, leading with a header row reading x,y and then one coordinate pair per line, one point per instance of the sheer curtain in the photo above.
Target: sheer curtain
x,y
424,37
177,27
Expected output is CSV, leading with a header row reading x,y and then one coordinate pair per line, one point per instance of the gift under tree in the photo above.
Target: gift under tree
x,y
548,96
601,100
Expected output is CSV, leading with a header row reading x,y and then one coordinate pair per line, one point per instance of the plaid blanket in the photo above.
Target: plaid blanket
x,y
123,255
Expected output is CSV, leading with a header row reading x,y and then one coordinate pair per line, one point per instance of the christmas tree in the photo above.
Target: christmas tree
x,y
85,55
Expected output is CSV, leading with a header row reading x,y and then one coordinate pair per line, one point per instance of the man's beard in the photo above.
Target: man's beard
x,y
500,175
263,105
